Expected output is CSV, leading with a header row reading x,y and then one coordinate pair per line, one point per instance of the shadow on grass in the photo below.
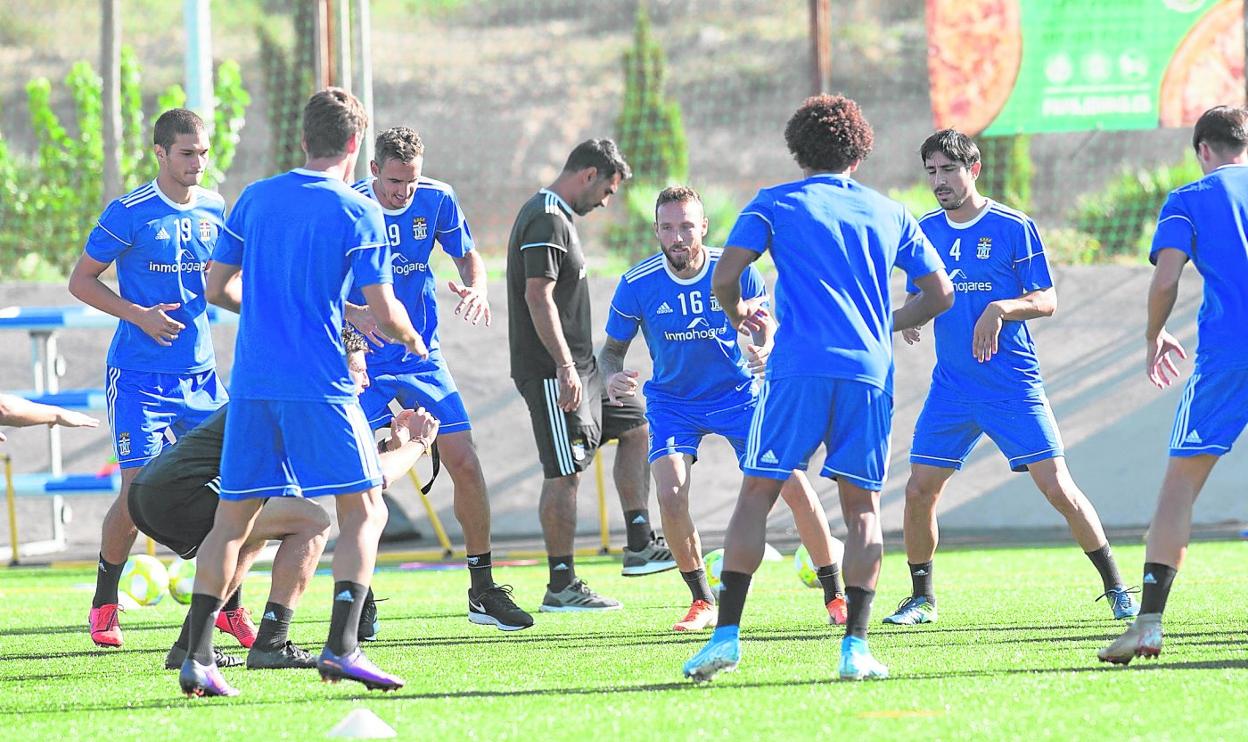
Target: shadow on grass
x,y
174,702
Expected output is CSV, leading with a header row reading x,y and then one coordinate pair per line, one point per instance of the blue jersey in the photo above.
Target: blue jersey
x,y
161,249
303,239
834,242
996,255
692,344
1208,222
433,214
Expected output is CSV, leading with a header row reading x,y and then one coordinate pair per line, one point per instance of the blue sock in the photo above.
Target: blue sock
x,y
726,632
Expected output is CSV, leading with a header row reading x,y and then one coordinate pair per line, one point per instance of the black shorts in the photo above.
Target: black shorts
x,y
566,441
178,521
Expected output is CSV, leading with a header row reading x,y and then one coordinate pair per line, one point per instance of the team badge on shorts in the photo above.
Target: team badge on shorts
x,y
205,231
984,248
420,228
578,450
123,444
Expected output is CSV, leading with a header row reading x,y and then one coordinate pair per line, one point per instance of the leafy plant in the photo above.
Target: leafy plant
x,y
49,202
1123,216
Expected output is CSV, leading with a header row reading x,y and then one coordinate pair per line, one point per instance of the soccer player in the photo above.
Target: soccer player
x,y
552,363
302,240
418,211
21,413
829,379
161,372
174,500
987,377
702,384
1201,222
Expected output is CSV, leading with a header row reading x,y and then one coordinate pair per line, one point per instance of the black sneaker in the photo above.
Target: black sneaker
x,y
285,657
369,625
177,655
494,606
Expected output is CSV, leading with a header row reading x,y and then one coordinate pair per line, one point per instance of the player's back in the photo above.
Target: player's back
x,y
1208,220
834,242
300,230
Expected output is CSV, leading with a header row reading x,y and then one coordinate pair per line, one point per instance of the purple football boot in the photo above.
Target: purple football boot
x,y
203,680
355,666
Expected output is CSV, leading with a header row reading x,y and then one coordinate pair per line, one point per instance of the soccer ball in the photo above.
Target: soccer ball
x,y
182,580
805,567
713,563
144,580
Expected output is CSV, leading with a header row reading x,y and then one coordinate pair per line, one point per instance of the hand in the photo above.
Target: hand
x,y
416,346
159,326
756,356
399,432
569,388
422,426
472,303
1157,361
754,316
71,419
912,335
620,386
984,339
363,320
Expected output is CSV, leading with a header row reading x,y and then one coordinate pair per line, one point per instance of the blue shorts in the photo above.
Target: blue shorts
x,y
947,430
300,449
678,428
146,408
427,384
852,419
1212,413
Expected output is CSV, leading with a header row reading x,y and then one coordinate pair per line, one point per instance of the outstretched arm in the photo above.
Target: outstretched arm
x,y
21,413
412,435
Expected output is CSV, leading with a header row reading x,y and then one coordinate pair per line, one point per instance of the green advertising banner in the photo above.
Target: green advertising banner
x,y
1031,66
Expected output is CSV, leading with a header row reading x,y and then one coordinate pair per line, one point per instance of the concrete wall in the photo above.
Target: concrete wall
x,y
1114,424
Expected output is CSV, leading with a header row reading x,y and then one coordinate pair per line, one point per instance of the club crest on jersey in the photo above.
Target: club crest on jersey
x,y
420,228
984,248
123,444
205,231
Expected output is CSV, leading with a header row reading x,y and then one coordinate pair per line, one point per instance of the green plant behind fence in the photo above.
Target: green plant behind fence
x,y
49,202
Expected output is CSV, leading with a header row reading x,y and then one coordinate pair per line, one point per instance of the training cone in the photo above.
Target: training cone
x,y
771,555
362,724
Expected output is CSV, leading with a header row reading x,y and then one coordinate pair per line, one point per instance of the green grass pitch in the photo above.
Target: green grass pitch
x,y
1012,657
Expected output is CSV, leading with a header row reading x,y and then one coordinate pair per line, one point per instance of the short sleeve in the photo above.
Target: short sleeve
x,y
112,234
368,249
229,248
752,284
625,316
1030,263
544,245
451,229
1175,229
915,254
754,227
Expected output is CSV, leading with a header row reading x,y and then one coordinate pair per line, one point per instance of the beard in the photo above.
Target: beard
x,y
954,201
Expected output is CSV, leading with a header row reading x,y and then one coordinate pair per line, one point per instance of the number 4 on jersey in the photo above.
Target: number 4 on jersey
x,y
955,252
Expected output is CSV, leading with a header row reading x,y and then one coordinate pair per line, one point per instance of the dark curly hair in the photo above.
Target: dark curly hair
x,y
352,340
828,134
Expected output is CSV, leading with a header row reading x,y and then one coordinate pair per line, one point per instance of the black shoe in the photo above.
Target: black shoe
x,y
177,655
285,657
369,625
494,606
